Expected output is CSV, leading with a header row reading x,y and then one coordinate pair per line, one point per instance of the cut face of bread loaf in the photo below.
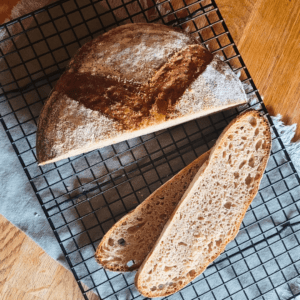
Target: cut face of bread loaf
x,y
209,214
132,80
132,237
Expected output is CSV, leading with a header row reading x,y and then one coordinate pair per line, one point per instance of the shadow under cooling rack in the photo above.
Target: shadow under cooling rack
x,y
83,196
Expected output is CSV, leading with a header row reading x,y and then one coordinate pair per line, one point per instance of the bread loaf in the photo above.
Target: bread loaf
x,y
210,212
132,237
132,80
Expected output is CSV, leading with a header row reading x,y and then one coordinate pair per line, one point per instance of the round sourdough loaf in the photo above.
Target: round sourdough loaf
x,y
133,80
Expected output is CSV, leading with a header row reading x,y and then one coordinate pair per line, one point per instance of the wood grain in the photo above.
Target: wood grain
x,y
28,273
267,34
272,54
237,15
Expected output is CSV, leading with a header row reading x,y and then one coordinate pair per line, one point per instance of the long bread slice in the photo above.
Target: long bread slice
x,y
209,214
133,236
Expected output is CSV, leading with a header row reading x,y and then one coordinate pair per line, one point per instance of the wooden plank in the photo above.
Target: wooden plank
x,y
11,240
30,256
65,287
12,292
270,46
237,15
28,273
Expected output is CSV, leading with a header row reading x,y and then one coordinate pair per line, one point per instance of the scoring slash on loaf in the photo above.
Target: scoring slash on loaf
x,y
132,237
131,81
210,212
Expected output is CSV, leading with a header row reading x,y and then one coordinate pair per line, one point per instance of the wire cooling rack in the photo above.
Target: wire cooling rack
x,y
83,196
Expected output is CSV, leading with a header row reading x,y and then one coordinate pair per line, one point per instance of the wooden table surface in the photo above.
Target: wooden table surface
x,y
268,36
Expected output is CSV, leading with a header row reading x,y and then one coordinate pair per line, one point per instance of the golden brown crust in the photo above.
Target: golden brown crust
x,y
133,80
213,153
132,105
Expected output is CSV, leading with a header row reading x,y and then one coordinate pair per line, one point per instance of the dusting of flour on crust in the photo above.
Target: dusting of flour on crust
x,y
216,86
81,126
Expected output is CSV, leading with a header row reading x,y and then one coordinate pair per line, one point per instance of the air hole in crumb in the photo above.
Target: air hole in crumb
x,y
135,228
224,154
162,216
130,263
242,164
248,180
197,235
182,244
256,132
244,138
252,121
219,242
192,273
236,175
227,205
200,218
230,137
230,146
110,242
258,145
140,219
210,246
251,162
121,242
167,269
153,289
264,146
229,158
116,259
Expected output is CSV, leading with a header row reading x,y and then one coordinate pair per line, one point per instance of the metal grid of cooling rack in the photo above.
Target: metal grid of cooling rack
x,y
84,196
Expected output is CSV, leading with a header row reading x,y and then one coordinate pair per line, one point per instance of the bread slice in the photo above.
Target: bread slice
x,y
209,214
125,246
131,81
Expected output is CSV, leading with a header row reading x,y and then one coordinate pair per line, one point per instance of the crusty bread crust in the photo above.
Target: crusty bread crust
x,y
215,151
140,228
131,81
